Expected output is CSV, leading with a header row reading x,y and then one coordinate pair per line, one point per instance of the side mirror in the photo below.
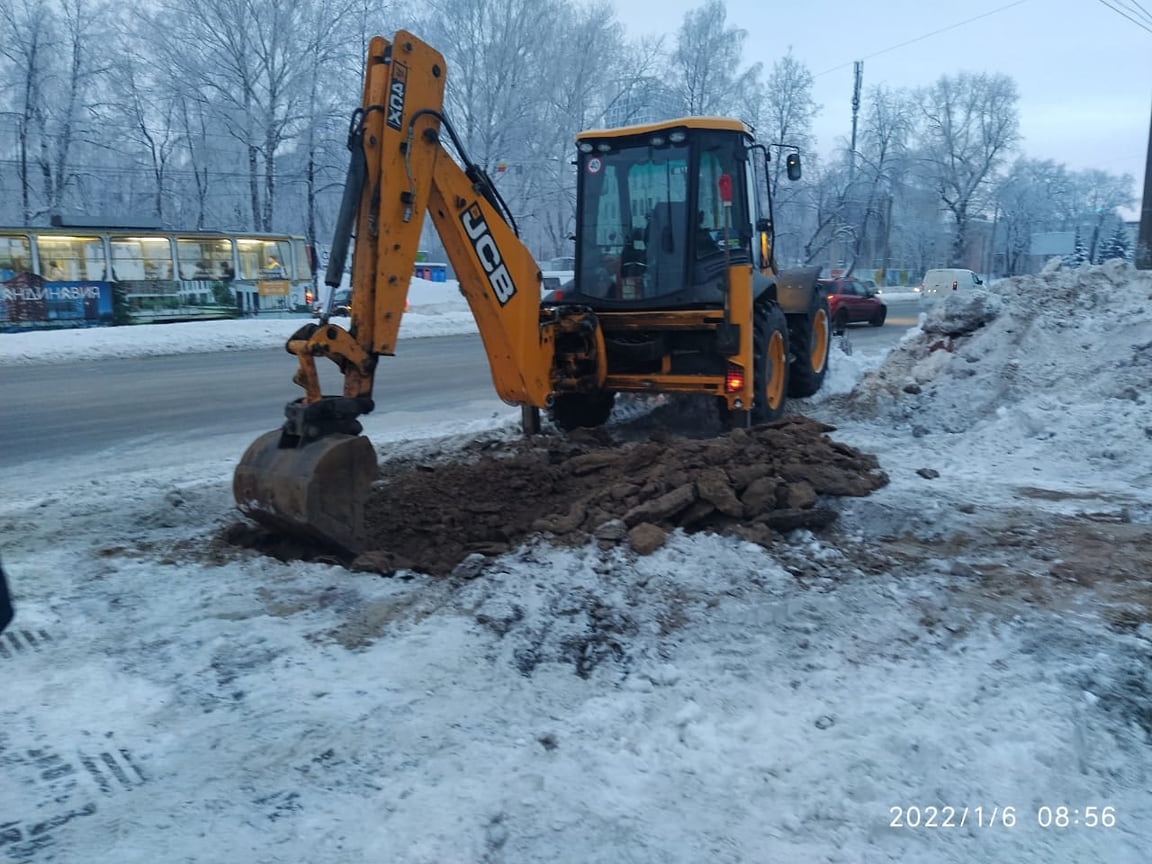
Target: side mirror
x,y
792,163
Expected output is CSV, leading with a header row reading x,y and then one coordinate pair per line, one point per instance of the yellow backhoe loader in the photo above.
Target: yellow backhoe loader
x,y
675,287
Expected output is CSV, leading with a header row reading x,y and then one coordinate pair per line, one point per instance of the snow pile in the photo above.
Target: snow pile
x,y
1052,367
846,368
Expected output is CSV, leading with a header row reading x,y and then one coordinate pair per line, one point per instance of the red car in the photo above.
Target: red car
x,y
850,301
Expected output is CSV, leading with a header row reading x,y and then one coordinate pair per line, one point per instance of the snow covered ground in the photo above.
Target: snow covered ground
x,y
956,646
437,309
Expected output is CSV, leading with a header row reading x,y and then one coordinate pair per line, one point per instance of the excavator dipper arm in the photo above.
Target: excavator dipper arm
x,y
313,475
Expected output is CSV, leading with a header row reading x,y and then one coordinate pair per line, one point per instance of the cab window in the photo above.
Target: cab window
x,y
715,221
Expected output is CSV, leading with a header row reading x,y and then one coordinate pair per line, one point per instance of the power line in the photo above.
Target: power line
x,y
927,35
1136,9
1126,15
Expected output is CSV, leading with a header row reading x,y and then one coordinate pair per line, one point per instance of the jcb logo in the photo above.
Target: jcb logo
x,y
396,94
489,255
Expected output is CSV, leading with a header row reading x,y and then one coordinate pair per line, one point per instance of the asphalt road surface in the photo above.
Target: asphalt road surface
x,y
66,410
902,314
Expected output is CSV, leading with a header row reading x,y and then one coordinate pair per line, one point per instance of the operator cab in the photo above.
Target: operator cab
x,y
653,230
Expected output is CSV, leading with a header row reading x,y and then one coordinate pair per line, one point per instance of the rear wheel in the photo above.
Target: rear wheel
x,y
809,337
769,362
581,410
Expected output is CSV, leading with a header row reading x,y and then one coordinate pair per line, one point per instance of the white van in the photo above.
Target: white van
x,y
938,284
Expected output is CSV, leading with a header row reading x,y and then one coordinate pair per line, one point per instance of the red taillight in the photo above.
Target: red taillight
x,y
307,296
557,294
734,383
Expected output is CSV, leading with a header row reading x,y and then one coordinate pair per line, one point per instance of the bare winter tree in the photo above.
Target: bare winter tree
x,y
82,23
497,55
192,116
596,73
243,57
883,156
1029,201
523,77
26,47
829,230
331,50
970,123
46,46
705,64
787,110
781,109
148,113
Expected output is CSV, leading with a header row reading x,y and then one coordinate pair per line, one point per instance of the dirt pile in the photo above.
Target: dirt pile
x,y
751,483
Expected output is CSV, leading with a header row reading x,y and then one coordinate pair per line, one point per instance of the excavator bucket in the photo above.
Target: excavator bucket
x,y
315,491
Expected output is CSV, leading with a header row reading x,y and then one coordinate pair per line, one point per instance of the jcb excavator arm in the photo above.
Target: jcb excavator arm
x,y
313,475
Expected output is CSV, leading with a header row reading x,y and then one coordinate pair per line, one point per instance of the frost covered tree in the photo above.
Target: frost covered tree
x,y
882,160
144,108
704,66
599,79
1030,200
786,111
26,49
970,123
53,76
782,110
1092,197
1116,246
1079,255
497,55
826,197
252,62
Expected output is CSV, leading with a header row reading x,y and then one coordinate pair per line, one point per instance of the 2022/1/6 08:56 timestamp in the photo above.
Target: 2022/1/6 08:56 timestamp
x,y
947,816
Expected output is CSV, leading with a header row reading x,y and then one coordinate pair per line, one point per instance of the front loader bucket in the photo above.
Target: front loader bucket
x,y
318,490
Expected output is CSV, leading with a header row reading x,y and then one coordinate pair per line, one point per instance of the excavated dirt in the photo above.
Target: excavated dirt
x,y
431,516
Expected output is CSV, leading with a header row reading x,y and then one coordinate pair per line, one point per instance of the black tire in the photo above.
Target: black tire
x,y
810,339
878,319
581,410
769,362
840,323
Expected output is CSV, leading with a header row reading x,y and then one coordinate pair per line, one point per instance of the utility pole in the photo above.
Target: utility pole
x,y
859,75
1143,257
887,236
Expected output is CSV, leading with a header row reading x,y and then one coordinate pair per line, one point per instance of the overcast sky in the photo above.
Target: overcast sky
x,y
1083,72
